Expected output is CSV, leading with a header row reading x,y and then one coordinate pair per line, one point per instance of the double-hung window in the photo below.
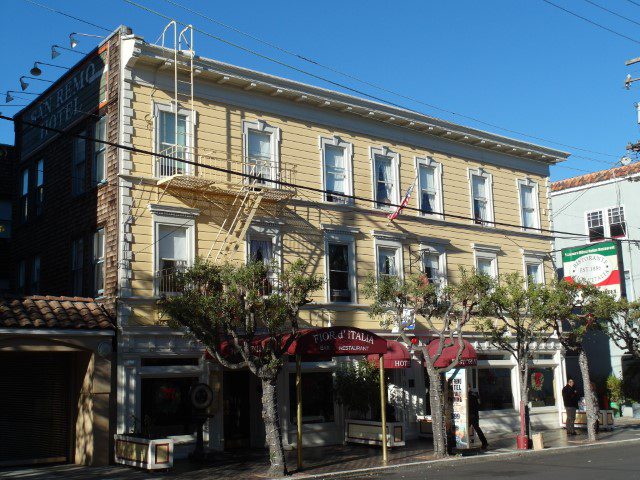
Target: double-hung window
x,y
534,272
617,224
433,264
486,259
77,260
35,275
534,266
174,133
99,151
39,186
340,267
24,195
481,196
595,225
429,186
388,255
261,152
78,166
263,245
529,215
385,177
98,262
336,169
173,256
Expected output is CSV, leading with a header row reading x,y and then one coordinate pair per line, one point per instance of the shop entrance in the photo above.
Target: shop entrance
x,y
236,388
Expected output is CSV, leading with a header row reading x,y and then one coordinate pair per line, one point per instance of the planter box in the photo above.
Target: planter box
x,y
605,418
370,433
156,454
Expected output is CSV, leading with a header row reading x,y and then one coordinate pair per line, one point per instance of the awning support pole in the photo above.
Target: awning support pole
x,y
383,411
299,407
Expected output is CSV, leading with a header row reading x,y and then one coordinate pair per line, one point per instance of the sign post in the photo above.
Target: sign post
x,y
383,410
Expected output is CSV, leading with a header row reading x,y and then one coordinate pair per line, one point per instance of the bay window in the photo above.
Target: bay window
x,y
336,169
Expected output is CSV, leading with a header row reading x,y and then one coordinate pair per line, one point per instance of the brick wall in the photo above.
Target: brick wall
x,y
66,217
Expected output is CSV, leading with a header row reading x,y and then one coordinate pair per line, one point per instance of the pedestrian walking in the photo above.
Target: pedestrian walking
x,y
474,416
570,399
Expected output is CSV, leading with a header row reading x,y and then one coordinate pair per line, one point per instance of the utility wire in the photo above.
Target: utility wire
x,y
592,22
359,92
46,7
635,3
281,182
612,12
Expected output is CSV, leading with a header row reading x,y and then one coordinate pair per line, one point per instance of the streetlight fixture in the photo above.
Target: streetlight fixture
x,y
74,42
55,52
36,71
8,98
23,85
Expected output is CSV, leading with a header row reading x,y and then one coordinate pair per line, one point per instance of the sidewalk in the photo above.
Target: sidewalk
x,y
318,461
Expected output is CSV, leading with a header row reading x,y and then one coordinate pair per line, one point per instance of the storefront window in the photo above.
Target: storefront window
x,y
541,391
166,407
494,387
317,398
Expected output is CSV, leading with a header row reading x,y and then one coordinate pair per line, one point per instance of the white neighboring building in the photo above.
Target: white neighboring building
x,y
601,205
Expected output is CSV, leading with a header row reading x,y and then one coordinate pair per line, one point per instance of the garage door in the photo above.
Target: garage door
x,y
34,408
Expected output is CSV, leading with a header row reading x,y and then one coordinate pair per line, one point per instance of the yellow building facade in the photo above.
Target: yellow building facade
x,y
322,169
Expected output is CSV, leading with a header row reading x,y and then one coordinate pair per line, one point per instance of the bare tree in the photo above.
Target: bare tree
x,y
445,310
257,321
624,329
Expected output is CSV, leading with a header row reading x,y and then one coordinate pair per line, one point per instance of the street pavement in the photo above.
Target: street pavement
x,y
611,461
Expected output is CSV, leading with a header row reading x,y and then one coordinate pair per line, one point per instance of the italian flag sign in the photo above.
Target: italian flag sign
x,y
599,264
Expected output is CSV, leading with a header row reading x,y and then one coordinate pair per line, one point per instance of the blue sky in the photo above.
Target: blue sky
x,y
520,64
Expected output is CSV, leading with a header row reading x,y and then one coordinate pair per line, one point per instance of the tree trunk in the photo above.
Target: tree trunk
x,y
437,414
590,401
272,426
523,371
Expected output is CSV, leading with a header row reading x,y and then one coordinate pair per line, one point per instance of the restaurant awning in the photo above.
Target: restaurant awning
x,y
397,356
468,358
338,341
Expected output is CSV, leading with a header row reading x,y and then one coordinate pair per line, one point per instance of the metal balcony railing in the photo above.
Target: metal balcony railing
x,y
166,279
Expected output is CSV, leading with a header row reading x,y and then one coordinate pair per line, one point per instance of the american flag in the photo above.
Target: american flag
x,y
404,203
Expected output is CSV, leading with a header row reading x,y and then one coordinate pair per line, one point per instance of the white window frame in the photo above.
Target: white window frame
x,y
395,169
436,251
530,257
99,235
336,141
437,166
262,127
164,215
389,241
39,186
266,232
528,182
191,118
481,172
486,252
343,239
606,225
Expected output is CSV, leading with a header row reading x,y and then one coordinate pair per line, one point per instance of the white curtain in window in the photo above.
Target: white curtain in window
x,y
533,272
485,266
430,265
259,146
479,187
528,206
387,264
384,178
428,188
172,242
261,250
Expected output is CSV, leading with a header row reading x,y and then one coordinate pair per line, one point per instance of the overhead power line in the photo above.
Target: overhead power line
x,y
68,15
281,182
347,75
592,22
612,12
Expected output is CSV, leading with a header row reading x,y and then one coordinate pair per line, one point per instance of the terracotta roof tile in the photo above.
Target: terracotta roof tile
x,y
595,177
53,312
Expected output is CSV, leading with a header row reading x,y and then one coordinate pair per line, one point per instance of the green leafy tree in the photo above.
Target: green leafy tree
x,y
624,329
445,310
357,387
572,310
508,325
235,304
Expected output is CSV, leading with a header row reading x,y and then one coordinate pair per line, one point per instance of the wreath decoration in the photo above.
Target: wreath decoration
x,y
537,380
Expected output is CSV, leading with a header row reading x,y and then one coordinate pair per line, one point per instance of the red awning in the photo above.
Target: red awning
x,y
468,358
257,343
338,341
397,356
